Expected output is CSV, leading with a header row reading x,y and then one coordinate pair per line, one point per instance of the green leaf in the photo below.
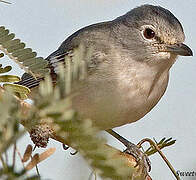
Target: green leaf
x,y
5,69
9,78
13,48
161,144
11,43
7,38
2,28
42,72
25,57
21,52
22,96
3,32
37,66
17,88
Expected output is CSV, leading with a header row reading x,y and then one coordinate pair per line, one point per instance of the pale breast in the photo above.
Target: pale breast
x,y
112,100
141,88
120,91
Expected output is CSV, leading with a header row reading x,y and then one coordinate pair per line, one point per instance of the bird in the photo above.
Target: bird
x,y
131,59
129,68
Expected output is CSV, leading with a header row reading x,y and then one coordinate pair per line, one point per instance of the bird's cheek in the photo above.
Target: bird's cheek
x,y
164,55
166,59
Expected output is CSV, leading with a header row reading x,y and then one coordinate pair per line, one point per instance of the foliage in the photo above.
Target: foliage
x,y
25,57
10,133
19,91
161,144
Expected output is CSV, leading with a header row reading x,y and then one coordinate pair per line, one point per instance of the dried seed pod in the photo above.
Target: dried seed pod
x,y
27,153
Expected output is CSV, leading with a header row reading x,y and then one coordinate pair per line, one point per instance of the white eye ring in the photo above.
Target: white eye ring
x,y
148,33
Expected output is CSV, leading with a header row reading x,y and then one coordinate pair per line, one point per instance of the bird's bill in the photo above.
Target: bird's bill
x,y
179,49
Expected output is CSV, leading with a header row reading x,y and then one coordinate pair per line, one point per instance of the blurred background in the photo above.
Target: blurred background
x,y
43,25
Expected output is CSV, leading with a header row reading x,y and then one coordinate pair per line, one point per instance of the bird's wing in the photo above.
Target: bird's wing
x,y
93,35
29,81
53,60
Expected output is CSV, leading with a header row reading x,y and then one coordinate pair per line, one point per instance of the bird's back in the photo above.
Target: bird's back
x,y
92,36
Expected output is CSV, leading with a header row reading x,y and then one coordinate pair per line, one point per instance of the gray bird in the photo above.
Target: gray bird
x,y
132,56
129,68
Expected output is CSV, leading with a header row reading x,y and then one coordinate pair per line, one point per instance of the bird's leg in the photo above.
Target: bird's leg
x,y
132,149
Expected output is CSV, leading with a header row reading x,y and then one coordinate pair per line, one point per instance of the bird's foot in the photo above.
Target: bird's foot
x,y
132,149
141,157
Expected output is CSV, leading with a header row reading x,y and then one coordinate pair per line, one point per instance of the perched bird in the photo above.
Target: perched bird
x,y
129,68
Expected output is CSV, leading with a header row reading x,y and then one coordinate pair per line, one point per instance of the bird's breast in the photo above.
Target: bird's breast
x,y
141,88
115,99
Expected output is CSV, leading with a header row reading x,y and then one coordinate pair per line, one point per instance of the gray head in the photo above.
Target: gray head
x,y
151,33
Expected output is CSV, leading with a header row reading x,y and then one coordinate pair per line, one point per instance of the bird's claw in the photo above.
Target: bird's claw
x,y
141,157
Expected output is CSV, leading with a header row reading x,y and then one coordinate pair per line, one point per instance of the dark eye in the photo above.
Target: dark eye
x,y
149,33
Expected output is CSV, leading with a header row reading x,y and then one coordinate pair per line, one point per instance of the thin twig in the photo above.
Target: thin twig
x,y
152,143
14,155
37,171
20,156
6,157
3,162
95,175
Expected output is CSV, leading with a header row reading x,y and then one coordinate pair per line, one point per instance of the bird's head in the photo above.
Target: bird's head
x,y
152,34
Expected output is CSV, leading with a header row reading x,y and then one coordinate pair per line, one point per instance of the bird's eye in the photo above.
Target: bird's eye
x,y
149,33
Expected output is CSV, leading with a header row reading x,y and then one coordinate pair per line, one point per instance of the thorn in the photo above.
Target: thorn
x,y
34,147
74,153
65,147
